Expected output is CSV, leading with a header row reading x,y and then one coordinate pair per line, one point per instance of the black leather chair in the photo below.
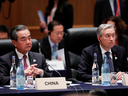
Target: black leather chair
x,y
75,40
7,46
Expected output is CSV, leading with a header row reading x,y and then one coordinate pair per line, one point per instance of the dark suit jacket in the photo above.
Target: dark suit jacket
x,y
103,10
46,48
66,17
85,66
6,62
123,41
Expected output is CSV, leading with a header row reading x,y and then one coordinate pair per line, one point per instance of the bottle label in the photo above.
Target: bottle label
x,y
105,76
20,81
95,76
12,80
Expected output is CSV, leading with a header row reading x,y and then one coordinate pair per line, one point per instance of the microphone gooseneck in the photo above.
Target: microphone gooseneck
x,y
55,70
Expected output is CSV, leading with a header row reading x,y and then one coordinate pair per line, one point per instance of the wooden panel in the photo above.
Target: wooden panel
x,y
25,12
83,11
29,11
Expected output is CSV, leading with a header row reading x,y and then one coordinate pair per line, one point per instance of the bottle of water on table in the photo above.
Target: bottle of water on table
x,y
105,71
95,71
13,74
20,77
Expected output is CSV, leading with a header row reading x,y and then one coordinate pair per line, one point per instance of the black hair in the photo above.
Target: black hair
x,y
13,32
98,92
5,29
52,24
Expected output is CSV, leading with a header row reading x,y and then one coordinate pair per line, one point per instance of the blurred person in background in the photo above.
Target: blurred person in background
x,y
4,32
106,8
59,10
120,27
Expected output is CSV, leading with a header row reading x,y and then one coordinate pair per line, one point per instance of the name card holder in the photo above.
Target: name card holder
x,y
56,64
125,80
50,83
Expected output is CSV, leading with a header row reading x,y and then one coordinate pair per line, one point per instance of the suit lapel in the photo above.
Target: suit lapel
x,y
47,47
31,58
108,7
114,58
99,56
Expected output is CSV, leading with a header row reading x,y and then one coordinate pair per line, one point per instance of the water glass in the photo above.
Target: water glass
x,y
113,78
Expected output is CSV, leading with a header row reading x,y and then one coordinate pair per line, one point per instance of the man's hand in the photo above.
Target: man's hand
x,y
30,70
119,75
37,71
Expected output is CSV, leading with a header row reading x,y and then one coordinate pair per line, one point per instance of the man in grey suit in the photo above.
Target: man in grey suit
x,y
106,38
35,62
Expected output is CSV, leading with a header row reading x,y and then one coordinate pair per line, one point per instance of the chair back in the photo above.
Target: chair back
x,y
75,40
6,46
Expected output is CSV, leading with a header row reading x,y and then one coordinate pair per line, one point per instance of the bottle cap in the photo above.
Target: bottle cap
x,y
13,56
105,56
95,53
20,59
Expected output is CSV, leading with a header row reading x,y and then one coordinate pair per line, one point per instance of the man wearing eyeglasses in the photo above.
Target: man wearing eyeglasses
x,y
54,38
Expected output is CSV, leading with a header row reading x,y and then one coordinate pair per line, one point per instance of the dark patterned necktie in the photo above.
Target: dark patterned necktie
x,y
110,62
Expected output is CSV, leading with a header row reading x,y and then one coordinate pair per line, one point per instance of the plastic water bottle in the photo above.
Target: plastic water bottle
x,y
20,77
105,71
13,74
95,71
54,53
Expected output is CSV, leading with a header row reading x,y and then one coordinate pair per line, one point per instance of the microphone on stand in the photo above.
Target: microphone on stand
x,y
55,70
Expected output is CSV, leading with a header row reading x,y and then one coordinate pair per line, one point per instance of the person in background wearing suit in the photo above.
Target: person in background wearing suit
x,y
117,54
55,36
120,27
4,32
106,8
59,10
35,63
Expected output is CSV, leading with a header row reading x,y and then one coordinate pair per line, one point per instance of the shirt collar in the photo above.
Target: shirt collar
x,y
51,43
103,51
20,55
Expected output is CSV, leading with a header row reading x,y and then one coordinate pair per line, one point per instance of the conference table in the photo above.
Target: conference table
x,y
83,87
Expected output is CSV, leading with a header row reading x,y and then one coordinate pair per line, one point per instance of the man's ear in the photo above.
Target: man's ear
x,y
98,37
14,43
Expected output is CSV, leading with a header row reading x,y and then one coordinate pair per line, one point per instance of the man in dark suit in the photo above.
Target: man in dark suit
x,y
56,32
106,38
105,8
35,63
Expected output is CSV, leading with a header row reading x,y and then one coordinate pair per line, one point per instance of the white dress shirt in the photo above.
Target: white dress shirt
x,y
20,56
103,52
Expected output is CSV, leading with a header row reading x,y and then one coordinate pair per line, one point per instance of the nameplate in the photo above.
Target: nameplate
x,y
50,83
57,65
125,80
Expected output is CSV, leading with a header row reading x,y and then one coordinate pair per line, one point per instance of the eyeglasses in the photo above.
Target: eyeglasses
x,y
57,33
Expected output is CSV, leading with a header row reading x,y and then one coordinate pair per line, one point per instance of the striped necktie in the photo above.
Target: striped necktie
x,y
25,63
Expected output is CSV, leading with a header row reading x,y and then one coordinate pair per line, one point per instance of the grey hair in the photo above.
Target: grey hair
x,y
103,27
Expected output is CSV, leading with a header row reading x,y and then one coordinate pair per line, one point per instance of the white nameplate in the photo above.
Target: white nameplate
x,y
50,83
57,65
125,80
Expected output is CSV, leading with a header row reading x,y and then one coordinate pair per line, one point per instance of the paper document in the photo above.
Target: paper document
x,y
61,54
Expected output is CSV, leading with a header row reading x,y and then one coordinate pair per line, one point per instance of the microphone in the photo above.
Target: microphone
x,y
39,48
55,70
